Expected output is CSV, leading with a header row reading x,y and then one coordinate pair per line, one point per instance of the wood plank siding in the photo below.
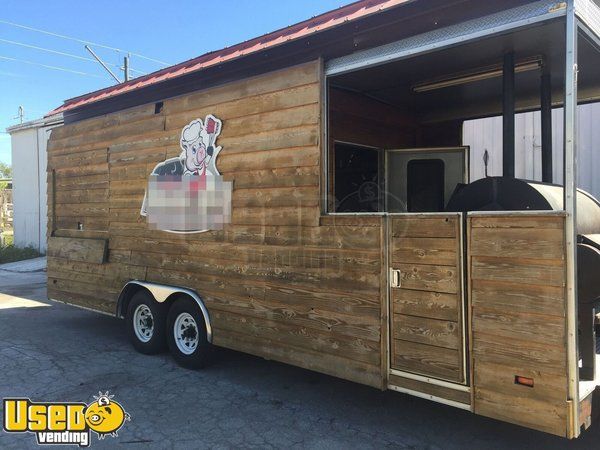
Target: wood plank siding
x,y
285,282
427,309
517,292
277,282
86,249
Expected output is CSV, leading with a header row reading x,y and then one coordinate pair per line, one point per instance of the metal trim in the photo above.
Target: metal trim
x,y
359,214
370,147
430,380
386,163
494,24
589,13
81,307
385,369
324,133
162,291
463,297
430,397
457,149
589,34
388,290
424,214
570,204
542,213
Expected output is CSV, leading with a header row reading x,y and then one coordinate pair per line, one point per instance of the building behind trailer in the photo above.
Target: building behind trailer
x,y
486,134
29,141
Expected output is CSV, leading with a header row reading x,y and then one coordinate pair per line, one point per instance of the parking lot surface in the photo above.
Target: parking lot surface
x,y
55,352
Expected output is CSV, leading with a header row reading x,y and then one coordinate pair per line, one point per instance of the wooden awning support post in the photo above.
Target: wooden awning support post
x,y
508,116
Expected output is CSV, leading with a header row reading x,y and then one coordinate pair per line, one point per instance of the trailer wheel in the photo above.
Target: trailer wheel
x,y
186,334
146,323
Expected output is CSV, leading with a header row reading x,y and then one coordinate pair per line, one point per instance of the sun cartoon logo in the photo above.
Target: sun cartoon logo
x,y
105,416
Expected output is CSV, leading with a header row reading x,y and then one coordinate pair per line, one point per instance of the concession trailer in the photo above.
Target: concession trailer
x,y
305,197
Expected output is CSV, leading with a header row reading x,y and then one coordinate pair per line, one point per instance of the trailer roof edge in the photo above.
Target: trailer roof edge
x,y
494,24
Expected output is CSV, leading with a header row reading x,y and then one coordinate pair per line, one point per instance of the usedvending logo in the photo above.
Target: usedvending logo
x,y
187,194
65,423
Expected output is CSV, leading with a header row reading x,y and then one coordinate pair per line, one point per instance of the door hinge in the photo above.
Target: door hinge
x,y
395,278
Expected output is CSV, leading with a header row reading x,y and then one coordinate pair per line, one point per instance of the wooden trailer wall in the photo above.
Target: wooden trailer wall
x,y
278,282
285,282
518,314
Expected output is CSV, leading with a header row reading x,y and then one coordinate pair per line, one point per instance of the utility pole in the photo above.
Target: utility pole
x,y
126,67
97,58
20,114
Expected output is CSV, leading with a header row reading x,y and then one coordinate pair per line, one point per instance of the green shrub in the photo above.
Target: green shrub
x,y
10,253
8,239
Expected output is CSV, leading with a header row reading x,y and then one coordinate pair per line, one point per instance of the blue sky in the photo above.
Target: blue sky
x,y
171,31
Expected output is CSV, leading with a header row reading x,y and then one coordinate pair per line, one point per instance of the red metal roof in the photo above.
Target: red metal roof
x,y
319,23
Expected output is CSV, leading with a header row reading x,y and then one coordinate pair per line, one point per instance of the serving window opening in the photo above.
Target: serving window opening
x,y
398,127
419,105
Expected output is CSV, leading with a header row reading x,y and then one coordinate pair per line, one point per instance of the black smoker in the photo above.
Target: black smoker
x,y
511,194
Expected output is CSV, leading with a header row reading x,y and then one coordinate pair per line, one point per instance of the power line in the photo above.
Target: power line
x,y
49,50
62,69
62,36
70,55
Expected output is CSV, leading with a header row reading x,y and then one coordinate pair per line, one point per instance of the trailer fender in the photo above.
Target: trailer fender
x,y
161,293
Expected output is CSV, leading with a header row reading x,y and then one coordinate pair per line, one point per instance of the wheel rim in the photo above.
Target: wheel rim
x,y
185,331
143,323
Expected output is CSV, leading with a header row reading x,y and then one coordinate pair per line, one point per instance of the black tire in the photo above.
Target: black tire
x,y
156,342
196,356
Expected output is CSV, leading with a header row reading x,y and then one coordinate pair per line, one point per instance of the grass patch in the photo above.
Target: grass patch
x,y
10,253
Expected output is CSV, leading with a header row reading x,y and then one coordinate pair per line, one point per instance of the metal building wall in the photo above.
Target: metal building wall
x,y
486,134
30,208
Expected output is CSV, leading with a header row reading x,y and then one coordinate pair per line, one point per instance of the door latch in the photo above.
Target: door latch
x,y
395,278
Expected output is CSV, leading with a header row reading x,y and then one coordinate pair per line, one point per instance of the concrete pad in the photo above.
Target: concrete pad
x,y
27,265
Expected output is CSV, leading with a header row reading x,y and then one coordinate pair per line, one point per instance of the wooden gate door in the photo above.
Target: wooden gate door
x,y
426,295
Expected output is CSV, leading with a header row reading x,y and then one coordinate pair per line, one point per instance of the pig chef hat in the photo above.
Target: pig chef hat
x,y
196,132
193,133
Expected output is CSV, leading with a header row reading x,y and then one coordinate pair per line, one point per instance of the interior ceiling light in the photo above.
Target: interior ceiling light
x,y
484,73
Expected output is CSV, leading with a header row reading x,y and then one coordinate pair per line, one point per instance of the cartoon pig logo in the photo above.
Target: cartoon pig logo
x,y
187,194
105,416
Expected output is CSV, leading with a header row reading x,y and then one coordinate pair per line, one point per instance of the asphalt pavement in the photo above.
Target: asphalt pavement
x,y
54,352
